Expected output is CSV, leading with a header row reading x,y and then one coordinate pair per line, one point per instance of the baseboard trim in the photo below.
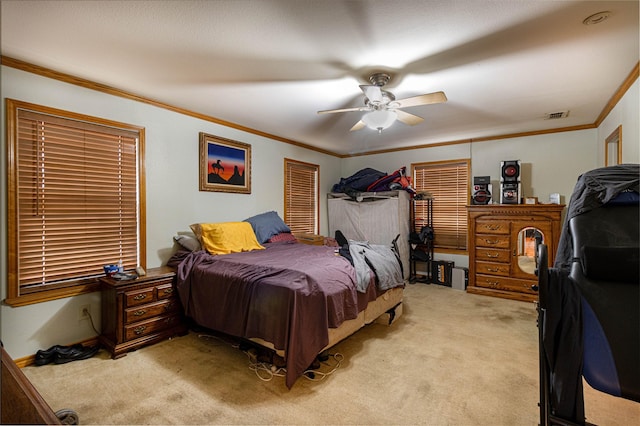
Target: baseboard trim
x,y
31,359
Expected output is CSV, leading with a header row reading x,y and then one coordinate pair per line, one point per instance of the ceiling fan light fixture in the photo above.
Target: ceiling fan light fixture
x,y
380,120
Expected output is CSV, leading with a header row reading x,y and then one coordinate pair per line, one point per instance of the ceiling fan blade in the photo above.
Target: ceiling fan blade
x,y
429,98
331,111
359,125
407,118
373,93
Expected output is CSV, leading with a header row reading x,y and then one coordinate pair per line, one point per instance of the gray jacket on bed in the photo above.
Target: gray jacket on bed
x,y
379,259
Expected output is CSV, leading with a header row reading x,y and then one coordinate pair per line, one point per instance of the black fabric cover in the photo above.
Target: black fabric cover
x,y
595,273
563,346
592,190
615,264
358,181
605,271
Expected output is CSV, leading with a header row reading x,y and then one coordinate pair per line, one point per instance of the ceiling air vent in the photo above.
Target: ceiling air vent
x,y
556,115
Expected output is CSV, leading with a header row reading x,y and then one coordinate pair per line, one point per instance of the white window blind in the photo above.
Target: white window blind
x,y
76,201
301,196
448,183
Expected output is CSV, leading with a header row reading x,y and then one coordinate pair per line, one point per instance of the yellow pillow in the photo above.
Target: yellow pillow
x,y
226,237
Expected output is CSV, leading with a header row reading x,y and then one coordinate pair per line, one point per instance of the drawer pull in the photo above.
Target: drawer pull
x,y
493,256
169,320
493,227
493,283
168,306
140,329
140,296
491,241
493,269
139,312
167,291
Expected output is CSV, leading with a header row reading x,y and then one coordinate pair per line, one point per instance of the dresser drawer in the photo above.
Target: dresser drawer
x,y
490,268
493,241
153,325
165,291
139,297
501,283
142,312
492,227
493,255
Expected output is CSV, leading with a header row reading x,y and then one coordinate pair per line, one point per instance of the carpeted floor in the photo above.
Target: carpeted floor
x,y
452,358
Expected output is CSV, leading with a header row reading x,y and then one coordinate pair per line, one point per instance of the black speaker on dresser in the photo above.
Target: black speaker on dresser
x,y
510,171
510,188
481,192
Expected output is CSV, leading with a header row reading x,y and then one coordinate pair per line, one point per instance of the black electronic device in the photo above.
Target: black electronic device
x,y
510,193
510,171
481,191
481,180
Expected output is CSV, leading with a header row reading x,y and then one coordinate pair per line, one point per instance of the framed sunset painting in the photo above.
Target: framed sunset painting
x,y
225,165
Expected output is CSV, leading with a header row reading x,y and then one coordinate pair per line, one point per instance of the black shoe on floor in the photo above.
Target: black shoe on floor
x,y
44,357
75,353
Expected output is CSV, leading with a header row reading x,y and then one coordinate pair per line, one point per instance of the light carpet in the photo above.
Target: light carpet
x,y
452,358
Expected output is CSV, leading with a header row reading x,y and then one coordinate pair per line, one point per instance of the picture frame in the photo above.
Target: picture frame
x,y
531,200
225,165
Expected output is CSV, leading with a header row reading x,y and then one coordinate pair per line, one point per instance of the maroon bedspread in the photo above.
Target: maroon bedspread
x,y
287,294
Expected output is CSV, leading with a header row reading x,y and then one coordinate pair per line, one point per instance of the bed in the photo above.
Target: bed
x,y
296,299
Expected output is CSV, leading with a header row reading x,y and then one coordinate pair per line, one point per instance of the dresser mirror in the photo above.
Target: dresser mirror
x,y
528,240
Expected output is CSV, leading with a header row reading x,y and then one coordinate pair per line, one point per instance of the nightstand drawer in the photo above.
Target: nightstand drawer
x,y
139,297
165,291
140,313
154,325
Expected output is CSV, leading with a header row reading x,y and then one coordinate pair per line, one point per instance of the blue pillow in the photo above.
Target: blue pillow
x,y
266,225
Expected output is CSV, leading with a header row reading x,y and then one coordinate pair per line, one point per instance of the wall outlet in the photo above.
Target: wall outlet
x,y
84,312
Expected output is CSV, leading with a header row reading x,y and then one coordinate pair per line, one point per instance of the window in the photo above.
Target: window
x,y
75,188
301,196
448,183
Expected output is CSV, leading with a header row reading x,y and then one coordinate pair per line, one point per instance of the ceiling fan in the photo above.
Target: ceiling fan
x,y
382,107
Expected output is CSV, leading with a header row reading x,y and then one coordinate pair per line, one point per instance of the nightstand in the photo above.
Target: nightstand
x,y
140,312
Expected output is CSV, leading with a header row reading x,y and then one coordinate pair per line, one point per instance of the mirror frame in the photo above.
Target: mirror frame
x,y
521,245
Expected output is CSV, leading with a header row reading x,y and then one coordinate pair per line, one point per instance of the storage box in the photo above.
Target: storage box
x,y
459,278
442,270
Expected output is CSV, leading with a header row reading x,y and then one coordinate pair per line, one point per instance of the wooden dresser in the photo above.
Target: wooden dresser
x,y
140,312
502,243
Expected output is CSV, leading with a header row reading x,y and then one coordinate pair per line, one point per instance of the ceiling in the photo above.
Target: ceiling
x,y
270,65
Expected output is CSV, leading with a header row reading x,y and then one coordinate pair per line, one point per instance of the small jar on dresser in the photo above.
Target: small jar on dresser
x,y
140,312
502,243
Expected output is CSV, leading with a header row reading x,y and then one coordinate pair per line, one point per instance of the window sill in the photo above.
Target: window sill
x,y
53,294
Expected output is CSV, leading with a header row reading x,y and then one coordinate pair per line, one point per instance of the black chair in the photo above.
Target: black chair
x,y
589,302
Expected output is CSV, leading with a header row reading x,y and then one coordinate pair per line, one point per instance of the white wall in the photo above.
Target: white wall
x,y
625,113
173,198
552,163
